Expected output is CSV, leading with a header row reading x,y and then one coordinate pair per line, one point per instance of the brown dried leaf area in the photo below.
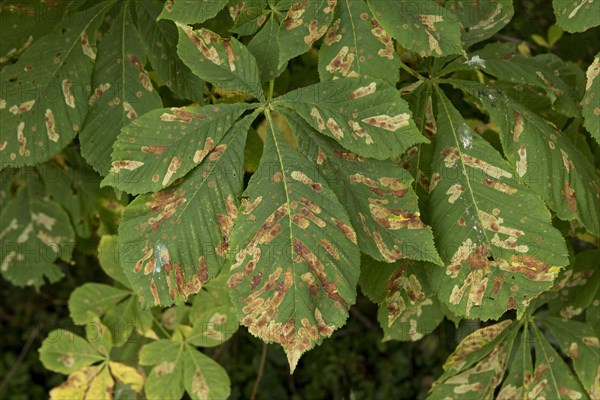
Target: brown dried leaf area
x,y
477,272
278,267
215,49
405,300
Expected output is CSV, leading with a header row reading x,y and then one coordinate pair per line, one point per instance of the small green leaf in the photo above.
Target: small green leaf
x,y
214,326
591,101
191,11
367,117
93,299
425,28
224,62
203,377
576,15
64,352
165,381
555,33
357,46
109,258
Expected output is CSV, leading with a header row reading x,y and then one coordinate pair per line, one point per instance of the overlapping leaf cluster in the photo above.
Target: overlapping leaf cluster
x,y
454,218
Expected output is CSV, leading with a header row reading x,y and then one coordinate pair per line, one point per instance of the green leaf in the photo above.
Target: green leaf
x,y
179,367
224,62
591,101
577,287
367,117
109,258
576,15
296,260
35,231
127,317
481,19
214,326
45,93
191,11
477,365
160,42
425,28
174,240
408,308
204,378
248,16
544,158
377,194
305,22
494,234
164,145
265,48
165,381
580,343
64,352
122,90
93,299
555,33
357,46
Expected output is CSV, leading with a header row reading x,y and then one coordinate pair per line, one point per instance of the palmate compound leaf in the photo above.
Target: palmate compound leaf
x,y
576,15
481,19
122,89
544,158
160,41
179,367
366,116
191,11
163,145
34,232
357,46
494,234
591,101
44,95
424,27
224,62
408,307
548,378
304,23
294,252
377,194
173,241
92,374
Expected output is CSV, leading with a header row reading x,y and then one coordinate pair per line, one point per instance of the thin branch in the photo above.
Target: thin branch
x,y
20,359
261,369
